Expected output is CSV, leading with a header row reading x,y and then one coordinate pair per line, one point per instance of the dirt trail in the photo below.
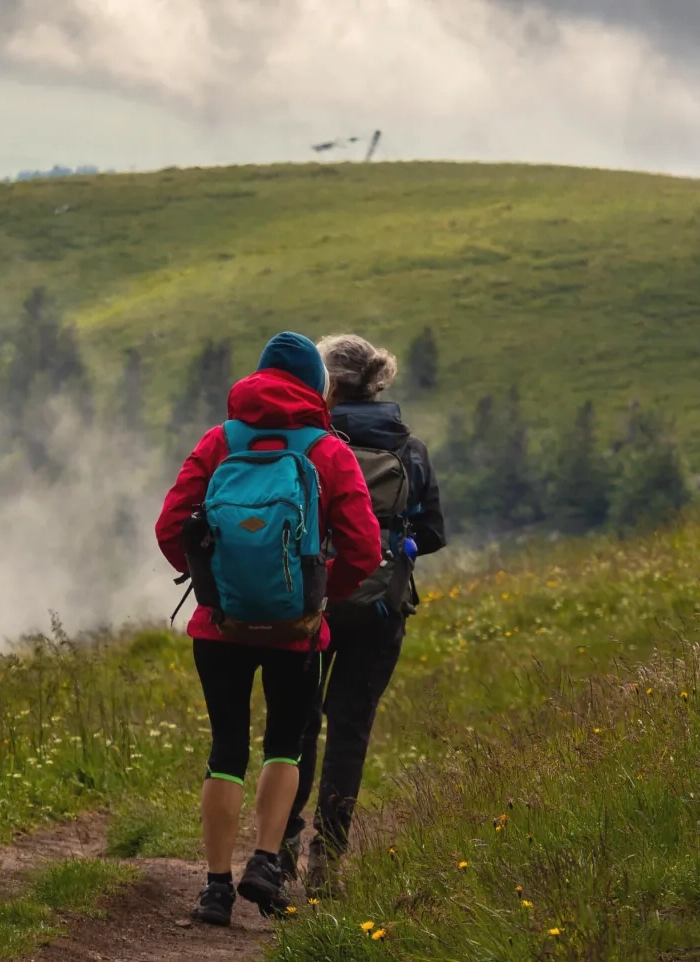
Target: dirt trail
x,y
150,920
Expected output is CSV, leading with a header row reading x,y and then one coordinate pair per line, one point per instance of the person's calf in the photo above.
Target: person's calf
x,y
221,805
276,792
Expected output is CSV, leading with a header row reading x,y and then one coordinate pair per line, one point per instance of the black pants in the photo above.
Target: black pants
x,y
365,656
291,682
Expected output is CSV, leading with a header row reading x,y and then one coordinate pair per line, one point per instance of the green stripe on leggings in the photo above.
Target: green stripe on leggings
x,y
226,778
282,761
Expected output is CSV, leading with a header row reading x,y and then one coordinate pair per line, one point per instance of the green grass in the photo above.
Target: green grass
x,y
537,729
74,886
571,283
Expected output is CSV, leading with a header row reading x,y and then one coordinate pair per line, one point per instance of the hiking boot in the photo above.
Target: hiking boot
x,y
263,884
289,857
215,904
323,879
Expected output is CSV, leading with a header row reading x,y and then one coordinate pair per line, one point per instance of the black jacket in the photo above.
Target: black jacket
x,y
378,424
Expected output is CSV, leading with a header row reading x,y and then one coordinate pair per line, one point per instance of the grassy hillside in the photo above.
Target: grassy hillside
x,y
572,283
541,732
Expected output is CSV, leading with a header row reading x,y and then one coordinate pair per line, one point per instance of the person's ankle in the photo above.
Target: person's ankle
x,y
220,878
272,857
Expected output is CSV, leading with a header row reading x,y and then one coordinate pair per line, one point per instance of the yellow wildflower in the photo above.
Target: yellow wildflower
x,y
650,691
291,910
597,731
555,932
313,902
463,865
684,695
367,926
519,890
379,934
526,904
454,592
505,596
499,828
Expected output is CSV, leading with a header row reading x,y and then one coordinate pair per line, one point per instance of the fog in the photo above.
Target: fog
x,y
82,545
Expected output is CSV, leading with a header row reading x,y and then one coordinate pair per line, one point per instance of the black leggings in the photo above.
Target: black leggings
x,y
290,681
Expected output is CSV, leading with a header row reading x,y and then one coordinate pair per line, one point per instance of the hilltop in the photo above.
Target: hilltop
x,y
572,284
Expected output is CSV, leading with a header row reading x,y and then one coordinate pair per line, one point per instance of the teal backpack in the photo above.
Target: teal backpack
x,y
254,553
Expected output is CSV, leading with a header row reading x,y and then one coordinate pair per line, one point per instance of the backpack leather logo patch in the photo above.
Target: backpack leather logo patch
x,y
253,524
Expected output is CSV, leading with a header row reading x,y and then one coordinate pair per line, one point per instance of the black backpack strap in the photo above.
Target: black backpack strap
x,y
190,588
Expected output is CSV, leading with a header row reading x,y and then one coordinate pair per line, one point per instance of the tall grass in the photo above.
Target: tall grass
x,y
541,732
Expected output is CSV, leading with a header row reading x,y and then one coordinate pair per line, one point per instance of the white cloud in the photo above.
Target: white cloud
x,y
256,80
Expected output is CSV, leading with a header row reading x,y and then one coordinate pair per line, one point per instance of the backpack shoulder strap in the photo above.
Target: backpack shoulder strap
x,y
238,436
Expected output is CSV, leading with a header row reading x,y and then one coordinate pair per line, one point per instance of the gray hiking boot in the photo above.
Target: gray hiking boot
x,y
289,857
323,876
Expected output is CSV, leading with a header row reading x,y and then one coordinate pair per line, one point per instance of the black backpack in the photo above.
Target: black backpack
x,y
391,586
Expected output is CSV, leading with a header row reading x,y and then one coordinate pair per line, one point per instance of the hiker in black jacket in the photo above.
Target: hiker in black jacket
x,y
367,631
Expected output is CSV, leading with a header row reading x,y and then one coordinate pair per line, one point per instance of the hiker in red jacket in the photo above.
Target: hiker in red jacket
x,y
288,391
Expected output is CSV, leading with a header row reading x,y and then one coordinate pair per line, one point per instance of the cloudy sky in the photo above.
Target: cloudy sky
x,y
149,83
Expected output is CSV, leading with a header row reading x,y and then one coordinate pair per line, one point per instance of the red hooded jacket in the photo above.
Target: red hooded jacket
x,y
267,400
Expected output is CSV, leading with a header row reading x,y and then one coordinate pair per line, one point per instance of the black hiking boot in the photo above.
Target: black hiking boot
x,y
289,858
263,884
215,904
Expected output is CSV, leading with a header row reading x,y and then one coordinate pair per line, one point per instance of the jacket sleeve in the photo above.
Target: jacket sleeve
x,y
189,490
426,513
356,535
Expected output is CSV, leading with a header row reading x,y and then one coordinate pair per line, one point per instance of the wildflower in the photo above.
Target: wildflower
x,y
189,749
167,745
505,596
463,865
650,691
519,891
554,932
507,634
291,910
367,926
502,819
597,731
684,695
581,650
392,852
499,828
378,935
313,902
137,755
454,592
526,904
154,733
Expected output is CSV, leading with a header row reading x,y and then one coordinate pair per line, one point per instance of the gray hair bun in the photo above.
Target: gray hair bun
x,y
358,368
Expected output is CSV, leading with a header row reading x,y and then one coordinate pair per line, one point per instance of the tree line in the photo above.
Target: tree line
x,y
492,475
